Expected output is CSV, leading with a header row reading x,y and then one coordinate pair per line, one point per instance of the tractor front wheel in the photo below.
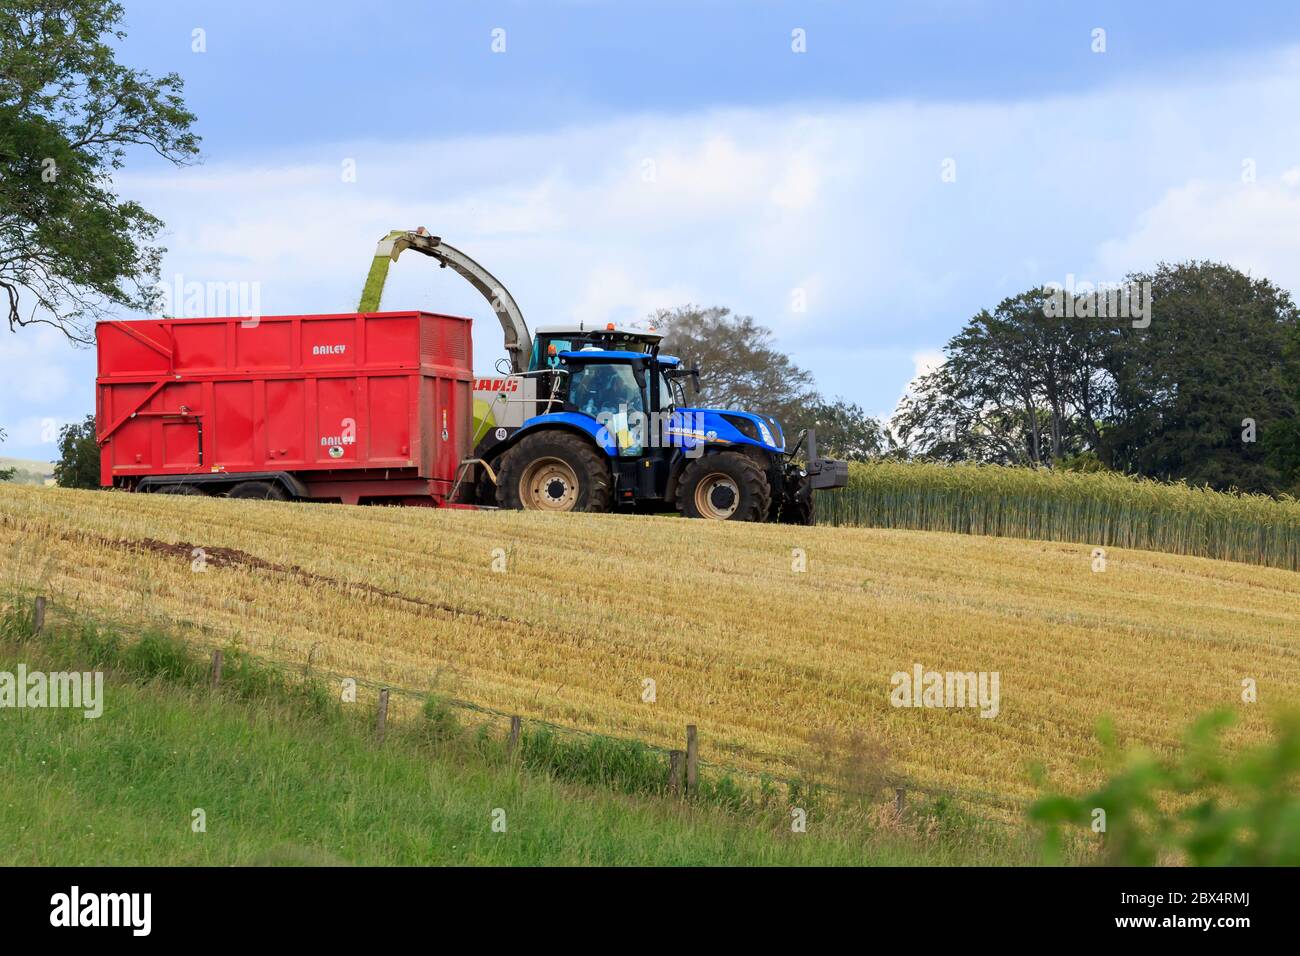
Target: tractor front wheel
x,y
554,471
726,486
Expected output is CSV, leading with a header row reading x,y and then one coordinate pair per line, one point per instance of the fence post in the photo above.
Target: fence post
x,y
674,773
900,799
692,760
311,657
216,669
381,721
512,744
38,616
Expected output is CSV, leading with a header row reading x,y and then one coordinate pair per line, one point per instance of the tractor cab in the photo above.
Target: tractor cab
x,y
624,404
625,392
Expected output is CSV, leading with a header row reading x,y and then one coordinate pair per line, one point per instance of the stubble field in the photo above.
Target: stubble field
x,y
769,661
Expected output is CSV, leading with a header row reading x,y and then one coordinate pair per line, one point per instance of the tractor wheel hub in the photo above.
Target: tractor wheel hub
x,y
717,496
549,484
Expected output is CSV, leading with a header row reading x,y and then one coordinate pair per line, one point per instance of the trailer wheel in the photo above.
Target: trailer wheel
x,y
258,489
554,471
726,486
180,490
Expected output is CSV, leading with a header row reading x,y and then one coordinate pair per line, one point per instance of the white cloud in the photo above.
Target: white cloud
x,y
34,373
1252,226
923,363
41,390
613,292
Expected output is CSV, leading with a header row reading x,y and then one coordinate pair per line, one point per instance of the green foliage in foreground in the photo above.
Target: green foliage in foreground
x,y
285,775
1205,808
1097,508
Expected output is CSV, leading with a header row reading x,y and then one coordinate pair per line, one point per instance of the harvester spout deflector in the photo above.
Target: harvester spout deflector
x,y
519,343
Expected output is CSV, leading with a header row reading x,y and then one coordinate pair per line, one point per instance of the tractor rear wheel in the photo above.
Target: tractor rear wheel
x,y
258,489
726,486
554,471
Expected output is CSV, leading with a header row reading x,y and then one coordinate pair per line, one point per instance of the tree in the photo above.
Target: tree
x,y
844,430
945,416
1016,387
78,464
739,367
1282,441
69,246
1208,389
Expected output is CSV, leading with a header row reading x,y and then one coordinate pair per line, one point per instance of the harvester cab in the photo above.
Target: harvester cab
x,y
551,341
589,419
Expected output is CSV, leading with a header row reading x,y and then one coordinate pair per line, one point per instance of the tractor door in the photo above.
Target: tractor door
x,y
610,393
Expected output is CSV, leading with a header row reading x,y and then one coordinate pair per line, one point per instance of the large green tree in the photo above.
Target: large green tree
x,y
844,429
1282,440
1208,387
741,368
70,247
1207,390
1016,387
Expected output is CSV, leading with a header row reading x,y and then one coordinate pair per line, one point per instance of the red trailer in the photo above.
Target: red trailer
x,y
357,407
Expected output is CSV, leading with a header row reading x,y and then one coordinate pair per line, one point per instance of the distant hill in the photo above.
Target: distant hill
x,y
29,471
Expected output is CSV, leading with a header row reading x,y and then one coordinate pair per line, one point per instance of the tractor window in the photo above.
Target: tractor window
x,y
670,393
608,392
546,353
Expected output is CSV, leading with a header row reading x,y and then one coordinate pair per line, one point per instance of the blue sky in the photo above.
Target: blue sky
x,y
617,157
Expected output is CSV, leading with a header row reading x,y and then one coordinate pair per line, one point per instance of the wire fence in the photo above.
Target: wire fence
x,y
204,639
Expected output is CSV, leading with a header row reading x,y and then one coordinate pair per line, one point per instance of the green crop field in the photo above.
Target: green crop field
x,y
1103,509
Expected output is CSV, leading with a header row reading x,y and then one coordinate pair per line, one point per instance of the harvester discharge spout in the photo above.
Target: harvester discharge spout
x,y
518,341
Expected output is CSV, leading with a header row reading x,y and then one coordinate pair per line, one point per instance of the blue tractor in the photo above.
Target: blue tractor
x,y
610,427
596,420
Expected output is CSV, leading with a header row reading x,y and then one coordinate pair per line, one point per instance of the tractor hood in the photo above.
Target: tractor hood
x,y
716,426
